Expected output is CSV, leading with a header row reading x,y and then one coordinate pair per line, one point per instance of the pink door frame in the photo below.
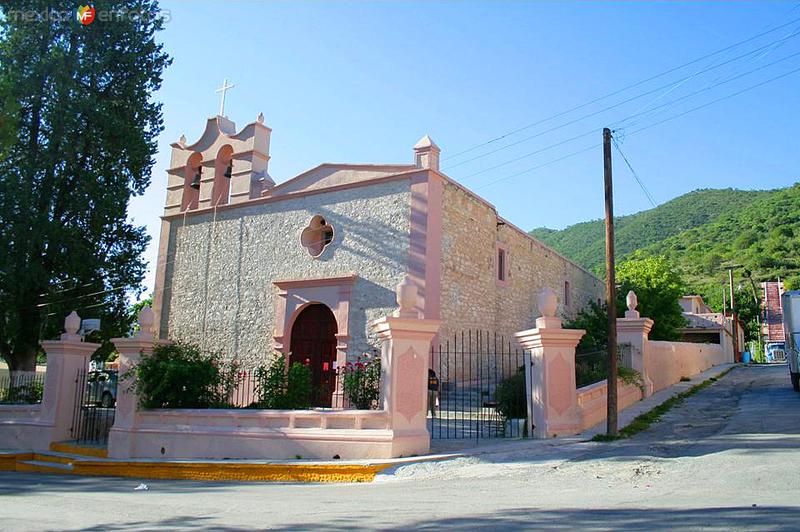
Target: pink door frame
x,y
296,294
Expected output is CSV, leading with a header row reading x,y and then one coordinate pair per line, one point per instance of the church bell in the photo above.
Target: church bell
x,y
229,170
195,184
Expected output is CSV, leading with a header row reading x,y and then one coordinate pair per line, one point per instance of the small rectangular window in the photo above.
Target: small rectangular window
x,y
566,293
501,264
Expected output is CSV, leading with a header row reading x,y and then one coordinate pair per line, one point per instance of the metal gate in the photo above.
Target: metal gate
x,y
481,387
95,406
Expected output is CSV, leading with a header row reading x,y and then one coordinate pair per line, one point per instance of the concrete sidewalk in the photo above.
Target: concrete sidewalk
x,y
91,464
462,448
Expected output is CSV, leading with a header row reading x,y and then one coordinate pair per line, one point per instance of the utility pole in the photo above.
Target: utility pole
x,y
734,325
724,302
611,289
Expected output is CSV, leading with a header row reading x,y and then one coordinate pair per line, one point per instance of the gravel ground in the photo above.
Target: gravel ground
x,y
727,458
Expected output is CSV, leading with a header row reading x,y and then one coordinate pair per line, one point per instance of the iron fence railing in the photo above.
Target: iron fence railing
x,y
251,388
95,406
477,387
22,388
591,365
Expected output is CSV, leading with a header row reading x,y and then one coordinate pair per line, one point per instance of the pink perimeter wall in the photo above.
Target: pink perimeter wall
x,y
669,361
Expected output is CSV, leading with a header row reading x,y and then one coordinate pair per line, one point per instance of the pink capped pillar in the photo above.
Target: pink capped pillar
x,y
131,350
634,330
65,358
404,365
553,394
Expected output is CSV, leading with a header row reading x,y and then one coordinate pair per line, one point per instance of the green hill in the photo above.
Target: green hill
x,y
585,242
701,232
763,237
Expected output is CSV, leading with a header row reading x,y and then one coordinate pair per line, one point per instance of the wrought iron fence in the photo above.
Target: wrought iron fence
x,y
22,388
95,406
591,366
251,388
477,387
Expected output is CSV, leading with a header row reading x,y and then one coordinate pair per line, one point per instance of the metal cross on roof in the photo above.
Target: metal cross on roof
x,y
225,87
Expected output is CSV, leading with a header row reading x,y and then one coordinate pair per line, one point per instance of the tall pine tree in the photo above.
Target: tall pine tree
x,y
78,135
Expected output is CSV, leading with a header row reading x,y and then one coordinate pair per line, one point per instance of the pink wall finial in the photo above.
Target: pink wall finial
x,y
146,320
407,298
72,324
633,301
548,303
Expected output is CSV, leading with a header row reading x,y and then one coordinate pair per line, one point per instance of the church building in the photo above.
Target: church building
x,y
247,267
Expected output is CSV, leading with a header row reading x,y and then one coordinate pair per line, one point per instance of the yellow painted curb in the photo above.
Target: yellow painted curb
x,y
8,461
238,472
83,450
54,459
208,471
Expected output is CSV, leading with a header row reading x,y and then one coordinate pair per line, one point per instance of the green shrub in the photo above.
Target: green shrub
x,y
278,389
511,397
179,375
298,387
270,383
361,381
28,393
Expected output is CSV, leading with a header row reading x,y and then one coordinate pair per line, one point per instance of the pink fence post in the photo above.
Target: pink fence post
x,y
553,393
634,331
121,440
406,342
65,358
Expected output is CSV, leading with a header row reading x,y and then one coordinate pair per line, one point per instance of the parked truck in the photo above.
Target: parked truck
x,y
791,327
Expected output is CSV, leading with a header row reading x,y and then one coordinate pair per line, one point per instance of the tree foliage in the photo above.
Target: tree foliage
x,y
585,242
702,233
81,137
658,287
594,320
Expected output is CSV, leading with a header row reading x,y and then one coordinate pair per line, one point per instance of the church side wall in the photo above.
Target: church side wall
x,y
471,295
218,288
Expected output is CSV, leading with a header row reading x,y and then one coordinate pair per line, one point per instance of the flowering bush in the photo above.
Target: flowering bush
x,y
361,381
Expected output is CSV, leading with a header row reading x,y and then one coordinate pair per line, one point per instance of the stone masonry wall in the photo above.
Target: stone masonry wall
x,y
473,298
218,289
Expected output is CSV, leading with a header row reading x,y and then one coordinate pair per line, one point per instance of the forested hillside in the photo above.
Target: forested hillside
x,y
762,237
701,233
584,242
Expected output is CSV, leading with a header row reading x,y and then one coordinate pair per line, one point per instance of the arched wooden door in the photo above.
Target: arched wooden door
x,y
313,343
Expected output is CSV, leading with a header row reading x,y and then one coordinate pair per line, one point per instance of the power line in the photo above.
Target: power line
x,y
796,70
684,113
551,146
548,163
665,105
627,87
626,101
708,88
635,175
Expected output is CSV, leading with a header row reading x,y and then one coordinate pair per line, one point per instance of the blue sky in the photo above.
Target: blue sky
x,y
363,81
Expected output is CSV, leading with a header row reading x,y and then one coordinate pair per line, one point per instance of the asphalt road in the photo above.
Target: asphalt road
x,y
727,458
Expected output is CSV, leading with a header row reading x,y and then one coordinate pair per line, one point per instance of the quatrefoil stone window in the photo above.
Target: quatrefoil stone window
x,y
316,236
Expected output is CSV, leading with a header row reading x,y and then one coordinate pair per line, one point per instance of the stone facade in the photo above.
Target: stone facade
x,y
234,275
472,295
218,288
